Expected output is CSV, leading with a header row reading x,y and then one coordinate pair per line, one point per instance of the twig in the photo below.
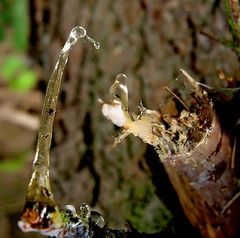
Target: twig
x,y
19,117
235,197
178,98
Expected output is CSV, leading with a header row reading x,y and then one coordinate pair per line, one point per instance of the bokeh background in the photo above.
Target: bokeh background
x,y
147,40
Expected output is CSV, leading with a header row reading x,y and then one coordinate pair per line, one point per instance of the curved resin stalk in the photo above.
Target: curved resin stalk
x,y
41,212
40,176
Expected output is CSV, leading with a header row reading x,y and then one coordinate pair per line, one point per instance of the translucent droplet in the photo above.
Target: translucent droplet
x,y
78,32
84,211
95,43
97,219
69,209
75,34
119,90
122,78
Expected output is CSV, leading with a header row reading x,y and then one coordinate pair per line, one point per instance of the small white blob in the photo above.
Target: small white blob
x,y
25,227
114,113
70,208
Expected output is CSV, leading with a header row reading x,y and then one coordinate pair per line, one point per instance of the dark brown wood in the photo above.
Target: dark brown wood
x,y
207,185
205,179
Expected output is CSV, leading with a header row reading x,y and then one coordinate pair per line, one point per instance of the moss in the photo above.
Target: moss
x,y
145,211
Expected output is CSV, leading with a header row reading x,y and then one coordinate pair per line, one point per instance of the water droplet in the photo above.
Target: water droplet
x,y
75,34
78,32
122,78
97,219
69,209
95,43
84,211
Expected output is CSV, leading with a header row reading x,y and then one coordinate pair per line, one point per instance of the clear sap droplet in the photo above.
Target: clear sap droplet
x,y
97,219
119,90
122,78
95,43
78,32
69,209
84,211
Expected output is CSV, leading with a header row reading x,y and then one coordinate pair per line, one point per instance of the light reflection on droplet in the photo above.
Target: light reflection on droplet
x,y
78,32
95,43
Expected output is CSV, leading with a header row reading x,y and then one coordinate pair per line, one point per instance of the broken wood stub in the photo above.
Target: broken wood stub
x,y
196,154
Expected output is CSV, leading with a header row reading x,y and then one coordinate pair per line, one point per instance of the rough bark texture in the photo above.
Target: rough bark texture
x,y
147,40
206,183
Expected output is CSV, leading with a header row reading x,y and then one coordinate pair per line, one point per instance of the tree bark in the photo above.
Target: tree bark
x,y
206,183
